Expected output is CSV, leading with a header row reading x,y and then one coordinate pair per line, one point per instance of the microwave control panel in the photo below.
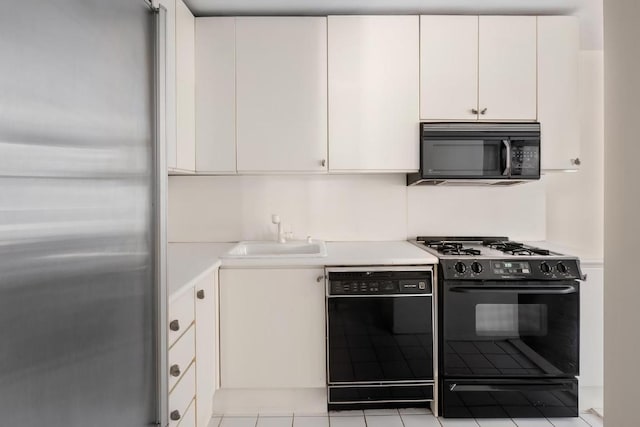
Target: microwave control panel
x,y
525,160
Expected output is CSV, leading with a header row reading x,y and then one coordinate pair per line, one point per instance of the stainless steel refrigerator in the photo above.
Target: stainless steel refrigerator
x,y
80,214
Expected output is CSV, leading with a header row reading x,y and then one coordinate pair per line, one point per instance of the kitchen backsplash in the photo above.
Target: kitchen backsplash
x,y
347,207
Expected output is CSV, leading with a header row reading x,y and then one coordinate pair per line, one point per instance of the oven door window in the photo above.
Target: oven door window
x,y
525,329
380,339
510,320
466,158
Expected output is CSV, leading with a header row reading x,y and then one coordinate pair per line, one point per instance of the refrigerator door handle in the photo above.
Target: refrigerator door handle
x,y
159,208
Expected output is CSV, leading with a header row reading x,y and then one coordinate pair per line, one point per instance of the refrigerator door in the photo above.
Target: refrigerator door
x,y
78,229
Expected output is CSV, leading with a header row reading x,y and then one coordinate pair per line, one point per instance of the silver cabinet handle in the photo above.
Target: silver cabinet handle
x,y
174,370
175,415
474,111
320,279
576,161
200,294
323,162
174,325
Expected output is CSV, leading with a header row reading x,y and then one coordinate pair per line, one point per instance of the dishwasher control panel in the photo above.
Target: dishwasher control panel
x,y
380,282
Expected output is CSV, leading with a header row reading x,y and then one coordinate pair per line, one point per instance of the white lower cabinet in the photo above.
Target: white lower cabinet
x,y
592,328
192,353
181,396
181,355
205,347
272,328
189,419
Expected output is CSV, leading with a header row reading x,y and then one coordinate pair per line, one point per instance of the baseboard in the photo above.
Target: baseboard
x,y
299,401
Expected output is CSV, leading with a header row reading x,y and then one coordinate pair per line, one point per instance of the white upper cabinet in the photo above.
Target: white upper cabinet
x,y
373,93
507,68
216,95
449,67
185,89
478,68
558,91
170,83
281,83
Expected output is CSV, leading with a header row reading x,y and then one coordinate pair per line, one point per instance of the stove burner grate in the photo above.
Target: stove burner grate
x,y
452,248
516,248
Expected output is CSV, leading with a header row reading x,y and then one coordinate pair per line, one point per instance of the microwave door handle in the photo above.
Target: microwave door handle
x,y
507,169
538,290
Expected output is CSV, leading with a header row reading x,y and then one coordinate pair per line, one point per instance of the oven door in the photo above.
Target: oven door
x,y
464,157
510,329
379,339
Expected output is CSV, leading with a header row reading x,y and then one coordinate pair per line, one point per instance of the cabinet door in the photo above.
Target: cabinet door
x,y
592,328
507,67
373,93
206,332
170,83
448,67
272,328
281,77
216,95
558,91
185,88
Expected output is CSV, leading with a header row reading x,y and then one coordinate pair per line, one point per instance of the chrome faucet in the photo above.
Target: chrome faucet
x,y
280,237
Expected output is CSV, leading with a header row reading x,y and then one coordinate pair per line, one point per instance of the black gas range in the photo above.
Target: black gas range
x,y
508,328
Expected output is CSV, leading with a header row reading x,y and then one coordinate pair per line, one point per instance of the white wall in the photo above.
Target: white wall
x,y
336,207
575,201
622,211
516,212
346,207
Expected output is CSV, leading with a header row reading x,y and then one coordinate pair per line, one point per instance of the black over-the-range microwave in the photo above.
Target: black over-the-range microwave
x,y
478,154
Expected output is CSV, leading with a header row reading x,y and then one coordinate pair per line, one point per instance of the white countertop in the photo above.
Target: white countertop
x,y
585,260
347,253
187,262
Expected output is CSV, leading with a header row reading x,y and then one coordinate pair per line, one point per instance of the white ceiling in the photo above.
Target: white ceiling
x,y
589,11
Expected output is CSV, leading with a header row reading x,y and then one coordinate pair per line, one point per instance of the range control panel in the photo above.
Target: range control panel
x,y
500,269
380,282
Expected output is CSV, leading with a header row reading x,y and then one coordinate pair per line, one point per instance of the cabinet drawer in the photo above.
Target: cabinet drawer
x,y
181,355
181,315
189,419
181,396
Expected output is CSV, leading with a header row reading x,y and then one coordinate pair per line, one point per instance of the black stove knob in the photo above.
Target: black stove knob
x,y
460,267
545,268
476,267
561,267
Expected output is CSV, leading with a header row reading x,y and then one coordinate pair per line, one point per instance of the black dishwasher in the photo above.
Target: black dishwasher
x,y
380,337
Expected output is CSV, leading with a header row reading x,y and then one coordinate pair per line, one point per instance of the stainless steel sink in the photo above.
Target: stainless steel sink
x,y
268,249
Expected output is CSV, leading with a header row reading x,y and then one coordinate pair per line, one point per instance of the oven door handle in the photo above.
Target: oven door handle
x,y
562,290
508,387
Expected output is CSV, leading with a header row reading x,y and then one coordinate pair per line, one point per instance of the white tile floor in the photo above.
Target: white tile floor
x,y
395,418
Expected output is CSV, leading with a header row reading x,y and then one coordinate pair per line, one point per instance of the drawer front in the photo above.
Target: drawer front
x,y
181,315
398,393
181,355
189,419
181,396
